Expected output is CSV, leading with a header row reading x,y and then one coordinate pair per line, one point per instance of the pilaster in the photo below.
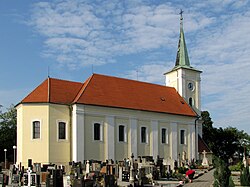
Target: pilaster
x,y
192,145
132,137
174,141
110,138
154,139
77,134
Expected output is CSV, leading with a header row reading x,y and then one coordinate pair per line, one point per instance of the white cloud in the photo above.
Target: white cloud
x,y
80,33
224,53
148,73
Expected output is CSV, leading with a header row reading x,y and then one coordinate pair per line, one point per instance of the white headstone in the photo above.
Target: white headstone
x,y
87,167
204,160
244,161
131,177
120,173
66,181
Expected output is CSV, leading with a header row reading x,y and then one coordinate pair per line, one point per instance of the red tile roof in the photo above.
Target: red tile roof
x,y
202,145
54,91
102,90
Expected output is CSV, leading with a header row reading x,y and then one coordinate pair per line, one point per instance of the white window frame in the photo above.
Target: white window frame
x,y
146,134
125,133
66,130
185,136
32,130
166,135
101,131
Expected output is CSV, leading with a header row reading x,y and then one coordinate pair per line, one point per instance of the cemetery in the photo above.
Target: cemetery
x,y
141,171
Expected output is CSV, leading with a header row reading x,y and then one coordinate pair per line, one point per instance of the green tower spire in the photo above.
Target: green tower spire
x,y
182,59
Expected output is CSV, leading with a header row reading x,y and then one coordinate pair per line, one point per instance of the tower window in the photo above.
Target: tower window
x,y
190,101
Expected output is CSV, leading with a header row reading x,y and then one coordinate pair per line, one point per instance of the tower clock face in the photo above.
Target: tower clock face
x,y
191,86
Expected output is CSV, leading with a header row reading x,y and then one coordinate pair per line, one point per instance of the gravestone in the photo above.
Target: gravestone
x,y
1,179
37,167
87,167
120,173
169,162
66,181
34,179
15,180
204,160
25,179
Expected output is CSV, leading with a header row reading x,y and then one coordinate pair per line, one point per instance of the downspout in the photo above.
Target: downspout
x,y
70,134
196,136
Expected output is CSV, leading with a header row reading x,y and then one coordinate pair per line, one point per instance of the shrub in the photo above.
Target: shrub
x,y
245,177
221,174
231,182
182,170
238,167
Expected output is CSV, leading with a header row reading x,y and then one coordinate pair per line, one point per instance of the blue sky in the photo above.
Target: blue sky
x,y
129,39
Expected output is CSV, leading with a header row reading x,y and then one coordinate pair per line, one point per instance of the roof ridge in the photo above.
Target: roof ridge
x,y
64,80
121,78
84,85
48,89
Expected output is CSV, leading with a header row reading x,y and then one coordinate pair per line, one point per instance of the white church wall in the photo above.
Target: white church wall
x,y
164,148
133,120
121,147
143,148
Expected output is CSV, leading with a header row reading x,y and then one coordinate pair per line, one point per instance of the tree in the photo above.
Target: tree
x,y
8,132
208,131
224,143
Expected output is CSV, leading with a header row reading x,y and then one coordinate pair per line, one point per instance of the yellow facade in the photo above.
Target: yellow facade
x,y
121,148
93,149
49,149
46,149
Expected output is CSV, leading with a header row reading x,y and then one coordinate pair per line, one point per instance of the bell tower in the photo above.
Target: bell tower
x,y
183,77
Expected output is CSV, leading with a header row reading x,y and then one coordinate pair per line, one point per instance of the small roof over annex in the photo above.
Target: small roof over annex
x,y
108,91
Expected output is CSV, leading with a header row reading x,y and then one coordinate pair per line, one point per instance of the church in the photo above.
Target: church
x,y
107,117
